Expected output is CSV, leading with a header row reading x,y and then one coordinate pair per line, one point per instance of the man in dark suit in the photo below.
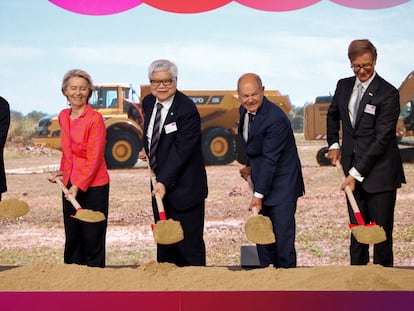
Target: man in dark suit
x,y
274,166
4,128
176,158
369,152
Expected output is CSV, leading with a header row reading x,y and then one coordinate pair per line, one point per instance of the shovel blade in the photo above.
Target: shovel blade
x,y
369,234
168,232
259,230
13,208
90,216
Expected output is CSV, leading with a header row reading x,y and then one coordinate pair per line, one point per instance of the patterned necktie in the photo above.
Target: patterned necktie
x,y
357,102
155,136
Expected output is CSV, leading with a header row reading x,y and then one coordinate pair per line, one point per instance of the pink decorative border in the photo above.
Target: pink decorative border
x,y
107,7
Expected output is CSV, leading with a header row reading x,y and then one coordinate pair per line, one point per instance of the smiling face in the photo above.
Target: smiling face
x,y
77,91
250,92
163,85
363,66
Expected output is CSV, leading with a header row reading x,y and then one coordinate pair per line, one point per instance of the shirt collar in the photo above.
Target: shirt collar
x,y
366,83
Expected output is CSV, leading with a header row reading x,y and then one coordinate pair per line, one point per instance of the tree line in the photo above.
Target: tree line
x,y
25,126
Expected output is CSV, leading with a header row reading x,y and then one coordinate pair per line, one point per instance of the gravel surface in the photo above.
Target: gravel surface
x,y
322,222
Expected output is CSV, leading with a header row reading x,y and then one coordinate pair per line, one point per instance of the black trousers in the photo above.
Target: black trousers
x,y
379,208
191,251
85,242
281,254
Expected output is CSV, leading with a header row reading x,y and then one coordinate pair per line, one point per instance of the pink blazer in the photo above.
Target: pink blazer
x,y
83,149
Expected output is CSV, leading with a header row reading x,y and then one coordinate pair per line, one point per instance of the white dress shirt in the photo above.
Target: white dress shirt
x,y
166,105
352,101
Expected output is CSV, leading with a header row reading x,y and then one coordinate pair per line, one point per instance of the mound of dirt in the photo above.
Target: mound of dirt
x,y
154,276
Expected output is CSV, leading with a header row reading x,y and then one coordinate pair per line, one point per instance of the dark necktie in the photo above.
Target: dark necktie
x,y
357,102
251,119
155,137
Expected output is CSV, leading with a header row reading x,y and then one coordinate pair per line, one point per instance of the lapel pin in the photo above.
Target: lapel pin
x,y
370,94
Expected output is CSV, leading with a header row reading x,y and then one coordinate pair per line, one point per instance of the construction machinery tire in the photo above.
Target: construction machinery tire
x,y
218,146
121,150
321,157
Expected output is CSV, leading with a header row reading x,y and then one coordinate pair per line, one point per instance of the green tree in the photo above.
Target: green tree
x,y
296,118
22,126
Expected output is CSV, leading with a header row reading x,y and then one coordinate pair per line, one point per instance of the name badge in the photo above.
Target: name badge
x,y
370,109
170,128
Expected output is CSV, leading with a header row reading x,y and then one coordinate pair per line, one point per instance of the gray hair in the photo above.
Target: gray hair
x,y
80,74
163,65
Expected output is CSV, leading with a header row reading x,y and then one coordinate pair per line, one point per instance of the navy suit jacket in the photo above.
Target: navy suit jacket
x,y
180,163
4,128
371,147
272,155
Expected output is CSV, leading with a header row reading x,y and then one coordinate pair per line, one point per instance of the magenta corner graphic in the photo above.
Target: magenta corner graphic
x,y
107,7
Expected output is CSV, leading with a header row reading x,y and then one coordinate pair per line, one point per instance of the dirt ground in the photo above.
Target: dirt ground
x,y
322,222
31,246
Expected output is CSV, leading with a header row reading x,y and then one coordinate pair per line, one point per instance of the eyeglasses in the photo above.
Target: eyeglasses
x,y
166,82
357,68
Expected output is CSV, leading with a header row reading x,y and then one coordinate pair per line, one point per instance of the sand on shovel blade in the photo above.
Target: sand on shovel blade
x,y
259,230
87,215
369,234
168,232
13,208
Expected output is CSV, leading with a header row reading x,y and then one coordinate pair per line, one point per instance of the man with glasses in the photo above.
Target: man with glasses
x,y
368,108
172,142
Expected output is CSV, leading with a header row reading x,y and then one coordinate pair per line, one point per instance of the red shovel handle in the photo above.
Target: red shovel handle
x,y
351,197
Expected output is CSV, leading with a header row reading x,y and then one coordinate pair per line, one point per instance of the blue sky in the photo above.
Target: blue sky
x,y
301,53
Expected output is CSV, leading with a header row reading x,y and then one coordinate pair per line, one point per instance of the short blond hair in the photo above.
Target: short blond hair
x,y
80,74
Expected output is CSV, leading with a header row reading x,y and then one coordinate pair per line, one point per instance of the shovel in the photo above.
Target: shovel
x,y
85,215
364,233
165,231
13,208
259,228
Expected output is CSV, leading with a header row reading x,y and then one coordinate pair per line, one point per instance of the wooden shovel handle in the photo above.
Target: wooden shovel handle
x,y
251,186
350,195
65,190
160,204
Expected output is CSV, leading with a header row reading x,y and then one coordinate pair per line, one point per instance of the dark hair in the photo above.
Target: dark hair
x,y
359,47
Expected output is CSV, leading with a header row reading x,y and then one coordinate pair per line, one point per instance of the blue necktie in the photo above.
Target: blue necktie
x,y
155,137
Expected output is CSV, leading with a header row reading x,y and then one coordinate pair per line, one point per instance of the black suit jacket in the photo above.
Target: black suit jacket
x,y
4,128
272,155
180,163
371,147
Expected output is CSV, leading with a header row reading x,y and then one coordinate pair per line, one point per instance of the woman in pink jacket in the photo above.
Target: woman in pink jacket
x,y
83,171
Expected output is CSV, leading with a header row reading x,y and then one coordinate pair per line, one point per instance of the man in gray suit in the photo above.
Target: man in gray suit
x,y
369,152
4,128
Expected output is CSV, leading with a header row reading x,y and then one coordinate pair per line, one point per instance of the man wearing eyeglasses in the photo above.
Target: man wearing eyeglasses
x,y
368,108
172,142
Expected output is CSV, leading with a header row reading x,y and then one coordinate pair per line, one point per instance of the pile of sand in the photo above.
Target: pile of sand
x,y
167,277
